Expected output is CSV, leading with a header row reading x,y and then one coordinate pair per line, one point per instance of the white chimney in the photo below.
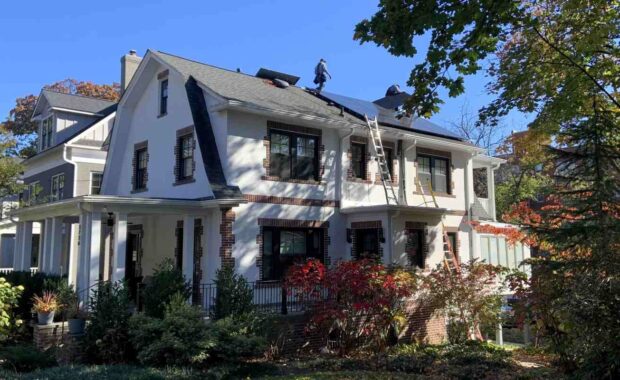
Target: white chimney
x,y
129,65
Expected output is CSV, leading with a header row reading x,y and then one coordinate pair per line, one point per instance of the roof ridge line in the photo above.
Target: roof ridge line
x,y
79,95
214,66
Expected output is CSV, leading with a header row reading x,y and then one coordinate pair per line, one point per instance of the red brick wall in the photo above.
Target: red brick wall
x,y
227,236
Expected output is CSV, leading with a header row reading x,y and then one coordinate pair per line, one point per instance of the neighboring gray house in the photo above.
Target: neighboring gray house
x,y
69,162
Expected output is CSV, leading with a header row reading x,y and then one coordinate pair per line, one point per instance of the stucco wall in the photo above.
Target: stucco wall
x,y
142,122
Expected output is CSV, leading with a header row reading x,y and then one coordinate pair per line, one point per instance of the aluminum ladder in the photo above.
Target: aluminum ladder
x,y
384,169
450,259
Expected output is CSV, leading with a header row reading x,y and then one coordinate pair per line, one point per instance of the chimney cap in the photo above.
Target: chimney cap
x,y
132,52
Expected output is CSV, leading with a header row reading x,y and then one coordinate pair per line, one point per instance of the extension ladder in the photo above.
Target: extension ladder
x,y
384,169
450,259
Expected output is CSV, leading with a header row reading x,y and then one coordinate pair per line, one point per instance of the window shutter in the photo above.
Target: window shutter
x,y
146,169
134,164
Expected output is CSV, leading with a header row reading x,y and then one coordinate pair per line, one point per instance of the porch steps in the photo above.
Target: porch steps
x,y
450,259
384,169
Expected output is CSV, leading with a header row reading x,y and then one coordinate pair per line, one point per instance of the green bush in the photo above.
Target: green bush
x,y
238,337
166,282
9,298
25,358
234,294
107,336
33,284
179,339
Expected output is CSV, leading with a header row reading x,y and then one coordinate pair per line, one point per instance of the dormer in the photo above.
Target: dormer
x,y
61,116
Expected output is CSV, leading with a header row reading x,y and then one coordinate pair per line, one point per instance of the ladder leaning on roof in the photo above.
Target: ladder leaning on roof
x,y
450,260
384,169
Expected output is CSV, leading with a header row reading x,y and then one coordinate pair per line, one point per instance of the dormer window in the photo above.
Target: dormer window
x,y
46,133
163,97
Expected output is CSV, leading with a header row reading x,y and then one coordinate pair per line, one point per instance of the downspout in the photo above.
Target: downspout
x,y
468,205
391,234
67,160
404,171
340,187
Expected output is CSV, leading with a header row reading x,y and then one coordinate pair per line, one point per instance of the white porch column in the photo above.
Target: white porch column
x,y
24,257
120,247
491,192
74,252
94,245
19,249
55,245
45,243
188,247
90,251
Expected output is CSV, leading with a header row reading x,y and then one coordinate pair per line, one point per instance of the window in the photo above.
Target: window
x,y
185,156
282,247
141,157
293,156
415,247
95,182
46,133
358,160
57,188
367,243
453,244
163,97
434,171
34,190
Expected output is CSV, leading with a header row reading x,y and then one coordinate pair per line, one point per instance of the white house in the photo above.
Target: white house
x,y
212,167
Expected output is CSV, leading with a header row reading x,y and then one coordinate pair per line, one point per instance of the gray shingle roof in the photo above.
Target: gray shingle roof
x,y
255,91
77,102
262,93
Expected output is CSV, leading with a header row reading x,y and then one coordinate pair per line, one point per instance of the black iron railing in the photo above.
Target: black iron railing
x,y
269,297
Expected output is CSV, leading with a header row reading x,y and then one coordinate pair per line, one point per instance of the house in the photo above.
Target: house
x,y
69,163
211,167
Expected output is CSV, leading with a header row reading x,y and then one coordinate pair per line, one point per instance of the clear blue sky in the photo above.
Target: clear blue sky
x,y
46,41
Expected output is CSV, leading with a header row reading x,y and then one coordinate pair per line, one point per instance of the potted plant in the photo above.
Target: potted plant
x,y
76,318
45,306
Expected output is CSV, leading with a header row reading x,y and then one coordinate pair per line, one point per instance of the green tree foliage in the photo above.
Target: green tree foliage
x,y
9,296
234,294
556,59
178,338
107,334
167,281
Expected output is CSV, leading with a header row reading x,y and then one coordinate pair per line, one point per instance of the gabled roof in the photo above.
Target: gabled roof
x,y
254,91
107,112
71,102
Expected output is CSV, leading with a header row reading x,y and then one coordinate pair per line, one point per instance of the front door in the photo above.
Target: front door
x,y
133,259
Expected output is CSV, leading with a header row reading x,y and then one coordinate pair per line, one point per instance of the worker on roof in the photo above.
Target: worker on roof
x,y
321,74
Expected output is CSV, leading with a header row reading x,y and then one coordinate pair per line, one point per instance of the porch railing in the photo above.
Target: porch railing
x,y
33,270
268,297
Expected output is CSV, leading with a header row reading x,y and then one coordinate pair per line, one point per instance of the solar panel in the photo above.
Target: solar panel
x,y
361,107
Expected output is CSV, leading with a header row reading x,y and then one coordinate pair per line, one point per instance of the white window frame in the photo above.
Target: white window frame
x,y
58,195
90,182
31,190
47,124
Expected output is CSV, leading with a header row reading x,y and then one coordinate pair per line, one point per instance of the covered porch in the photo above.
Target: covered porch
x,y
99,238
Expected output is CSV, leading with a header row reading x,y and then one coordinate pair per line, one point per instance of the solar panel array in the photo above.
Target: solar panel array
x,y
360,107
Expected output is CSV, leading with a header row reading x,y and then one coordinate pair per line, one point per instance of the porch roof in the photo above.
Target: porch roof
x,y
128,205
394,208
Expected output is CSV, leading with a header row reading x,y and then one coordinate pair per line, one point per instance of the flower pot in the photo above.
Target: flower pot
x,y
76,326
45,318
